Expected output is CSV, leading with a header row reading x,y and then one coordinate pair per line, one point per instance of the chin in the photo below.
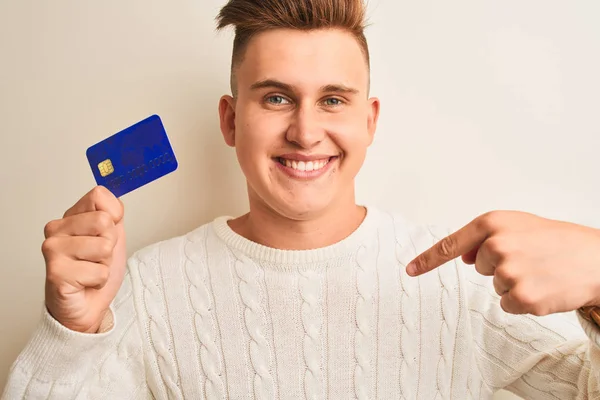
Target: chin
x,y
301,209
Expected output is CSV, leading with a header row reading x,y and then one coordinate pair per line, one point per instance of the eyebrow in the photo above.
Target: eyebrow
x,y
273,83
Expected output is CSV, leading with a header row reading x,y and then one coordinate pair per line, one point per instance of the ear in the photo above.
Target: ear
x,y
373,116
227,119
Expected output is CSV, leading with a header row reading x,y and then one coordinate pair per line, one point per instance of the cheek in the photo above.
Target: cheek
x,y
259,129
255,139
351,138
350,127
248,136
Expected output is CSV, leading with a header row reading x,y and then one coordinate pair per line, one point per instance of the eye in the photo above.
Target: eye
x,y
333,101
277,100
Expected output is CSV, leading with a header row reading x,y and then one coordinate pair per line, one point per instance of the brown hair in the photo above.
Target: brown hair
x,y
250,17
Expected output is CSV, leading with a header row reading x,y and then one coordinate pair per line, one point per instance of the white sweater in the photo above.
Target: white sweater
x,y
213,315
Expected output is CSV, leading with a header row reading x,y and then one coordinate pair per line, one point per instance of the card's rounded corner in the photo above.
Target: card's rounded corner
x,y
87,153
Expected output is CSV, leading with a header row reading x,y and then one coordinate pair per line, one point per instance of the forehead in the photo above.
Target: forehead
x,y
305,59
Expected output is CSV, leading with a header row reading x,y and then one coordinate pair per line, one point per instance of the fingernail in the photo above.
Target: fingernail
x,y
411,269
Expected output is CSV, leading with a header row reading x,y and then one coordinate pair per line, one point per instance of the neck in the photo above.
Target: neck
x,y
265,226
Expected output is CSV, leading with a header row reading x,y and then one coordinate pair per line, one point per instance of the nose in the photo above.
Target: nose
x,y
304,129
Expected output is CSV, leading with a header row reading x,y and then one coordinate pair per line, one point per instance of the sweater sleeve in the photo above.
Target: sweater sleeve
x,y
58,363
551,357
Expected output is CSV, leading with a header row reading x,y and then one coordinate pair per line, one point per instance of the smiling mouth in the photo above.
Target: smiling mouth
x,y
305,166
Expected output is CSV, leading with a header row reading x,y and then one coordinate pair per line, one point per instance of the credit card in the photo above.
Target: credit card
x,y
132,157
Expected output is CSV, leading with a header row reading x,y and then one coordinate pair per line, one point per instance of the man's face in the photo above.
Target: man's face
x,y
302,121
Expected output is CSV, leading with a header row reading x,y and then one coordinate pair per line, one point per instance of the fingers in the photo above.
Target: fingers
x,y
95,223
69,278
98,199
488,258
57,249
516,302
461,242
508,304
500,287
79,247
470,256
526,299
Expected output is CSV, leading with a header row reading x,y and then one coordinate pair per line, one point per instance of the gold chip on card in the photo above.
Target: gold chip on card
x,y
106,168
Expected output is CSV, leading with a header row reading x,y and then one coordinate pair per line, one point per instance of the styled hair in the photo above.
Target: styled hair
x,y
251,17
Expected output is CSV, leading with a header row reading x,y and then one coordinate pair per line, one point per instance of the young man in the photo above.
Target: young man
x,y
310,295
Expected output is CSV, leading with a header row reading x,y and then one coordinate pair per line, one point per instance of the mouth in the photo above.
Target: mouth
x,y
306,168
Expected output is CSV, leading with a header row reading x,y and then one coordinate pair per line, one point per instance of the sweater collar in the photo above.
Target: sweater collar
x,y
258,252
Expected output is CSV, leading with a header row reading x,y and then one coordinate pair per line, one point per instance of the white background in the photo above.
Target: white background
x,y
486,105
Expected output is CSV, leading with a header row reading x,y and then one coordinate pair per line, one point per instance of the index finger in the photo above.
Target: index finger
x,y
98,199
452,246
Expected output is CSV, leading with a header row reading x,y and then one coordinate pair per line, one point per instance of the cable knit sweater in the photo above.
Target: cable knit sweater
x,y
213,315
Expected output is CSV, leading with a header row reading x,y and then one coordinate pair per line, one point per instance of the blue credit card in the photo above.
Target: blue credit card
x,y
133,157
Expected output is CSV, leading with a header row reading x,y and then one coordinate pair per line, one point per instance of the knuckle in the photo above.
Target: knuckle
x,y
507,275
98,193
501,248
480,268
51,228
447,247
494,245
506,244
118,214
49,247
527,299
498,286
509,305
95,195
103,274
102,222
54,274
504,304
105,249
489,220
101,196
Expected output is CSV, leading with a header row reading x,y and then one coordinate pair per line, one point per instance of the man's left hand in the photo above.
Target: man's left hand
x,y
540,266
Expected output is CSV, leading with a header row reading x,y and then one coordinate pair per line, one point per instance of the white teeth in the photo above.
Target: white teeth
x,y
307,166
